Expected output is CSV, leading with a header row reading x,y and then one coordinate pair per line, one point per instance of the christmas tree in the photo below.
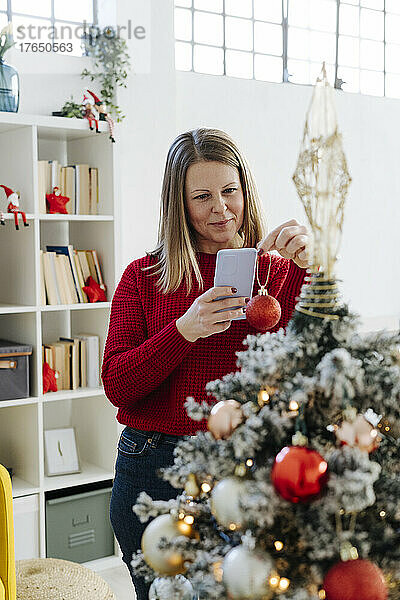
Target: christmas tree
x,y
293,492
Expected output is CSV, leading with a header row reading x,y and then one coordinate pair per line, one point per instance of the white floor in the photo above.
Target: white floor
x,y
120,582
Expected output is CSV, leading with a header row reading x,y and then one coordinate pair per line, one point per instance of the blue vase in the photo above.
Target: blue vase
x,y
9,88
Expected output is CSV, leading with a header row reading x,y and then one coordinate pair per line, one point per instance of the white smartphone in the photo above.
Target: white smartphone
x,y
236,268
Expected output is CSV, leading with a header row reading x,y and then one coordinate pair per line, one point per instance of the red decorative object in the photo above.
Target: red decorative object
x,y
89,114
355,580
56,203
299,474
49,379
263,312
94,291
103,115
13,207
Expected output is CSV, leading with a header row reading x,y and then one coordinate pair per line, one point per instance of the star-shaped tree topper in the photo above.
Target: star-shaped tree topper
x,y
56,203
93,291
322,178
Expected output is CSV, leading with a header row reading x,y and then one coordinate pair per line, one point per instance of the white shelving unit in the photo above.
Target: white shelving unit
x,y
25,139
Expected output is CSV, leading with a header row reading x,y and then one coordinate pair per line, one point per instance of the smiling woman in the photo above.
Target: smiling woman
x,y
167,337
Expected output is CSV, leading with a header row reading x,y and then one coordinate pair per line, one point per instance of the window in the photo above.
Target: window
x,y
240,38
287,40
36,20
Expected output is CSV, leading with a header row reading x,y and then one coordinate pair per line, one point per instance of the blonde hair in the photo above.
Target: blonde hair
x,y
176,245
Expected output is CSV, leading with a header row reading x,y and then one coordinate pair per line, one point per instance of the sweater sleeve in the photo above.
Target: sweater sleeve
x,y
133,364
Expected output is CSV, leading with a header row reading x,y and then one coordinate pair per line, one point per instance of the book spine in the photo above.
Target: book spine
x,y
56,289
42,283
98,270
61,278
80,276
74,273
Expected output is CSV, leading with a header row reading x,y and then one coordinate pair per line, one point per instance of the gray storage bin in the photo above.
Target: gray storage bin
x,y
14,370
78,527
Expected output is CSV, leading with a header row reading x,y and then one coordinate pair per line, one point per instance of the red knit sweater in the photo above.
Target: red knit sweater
x,y
149,368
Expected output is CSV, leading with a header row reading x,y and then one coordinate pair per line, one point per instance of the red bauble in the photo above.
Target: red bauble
x,y
49,379
263,312
355,580
299,474
93,291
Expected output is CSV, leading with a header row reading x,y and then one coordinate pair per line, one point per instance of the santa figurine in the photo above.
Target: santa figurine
x,y
13,206
103,115
89,114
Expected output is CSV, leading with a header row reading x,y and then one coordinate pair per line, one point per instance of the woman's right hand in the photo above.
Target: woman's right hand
x,y
202,319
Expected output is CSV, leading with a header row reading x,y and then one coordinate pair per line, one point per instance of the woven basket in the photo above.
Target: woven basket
x,y
55,579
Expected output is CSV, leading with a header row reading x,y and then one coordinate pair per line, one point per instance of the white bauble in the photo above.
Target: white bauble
x,y
225,502
246,574
166,588
166,562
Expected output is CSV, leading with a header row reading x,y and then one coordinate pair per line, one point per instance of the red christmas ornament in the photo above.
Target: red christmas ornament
x,y
56,203
94,291
355,580
299,474
263,311
49,379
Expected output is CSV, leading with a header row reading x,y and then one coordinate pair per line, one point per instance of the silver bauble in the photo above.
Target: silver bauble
x,y
165,562
168,588
225,502
246,574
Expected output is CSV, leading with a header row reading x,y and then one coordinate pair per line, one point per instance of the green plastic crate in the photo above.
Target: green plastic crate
x,y
78,527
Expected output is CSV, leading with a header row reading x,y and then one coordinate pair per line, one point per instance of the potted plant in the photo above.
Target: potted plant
x,y
111,64
9,80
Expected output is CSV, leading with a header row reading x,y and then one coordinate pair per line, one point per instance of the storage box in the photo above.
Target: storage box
x,y
78,526
14,370
26,526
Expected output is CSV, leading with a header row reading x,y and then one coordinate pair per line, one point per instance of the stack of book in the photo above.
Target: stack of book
x,y
78,182
64,273
75,360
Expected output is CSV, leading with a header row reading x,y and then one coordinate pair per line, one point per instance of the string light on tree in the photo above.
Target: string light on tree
x,y
264,395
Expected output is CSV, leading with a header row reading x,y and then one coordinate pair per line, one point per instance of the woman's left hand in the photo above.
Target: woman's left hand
x,y
291,241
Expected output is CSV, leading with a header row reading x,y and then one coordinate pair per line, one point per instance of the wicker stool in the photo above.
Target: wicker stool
x,y
55,579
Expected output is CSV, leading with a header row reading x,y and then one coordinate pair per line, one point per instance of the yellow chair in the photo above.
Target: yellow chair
x,y
7,556
40,578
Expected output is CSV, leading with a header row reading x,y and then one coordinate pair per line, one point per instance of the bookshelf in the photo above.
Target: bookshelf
x,y
25,139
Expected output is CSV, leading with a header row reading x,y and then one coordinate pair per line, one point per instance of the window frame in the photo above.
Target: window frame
x,y
53,21
285,25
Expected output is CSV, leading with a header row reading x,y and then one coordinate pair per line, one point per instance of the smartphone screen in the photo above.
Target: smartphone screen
x,y
236,268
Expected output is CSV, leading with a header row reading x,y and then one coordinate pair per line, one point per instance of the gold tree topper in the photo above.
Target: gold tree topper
x,y
322,178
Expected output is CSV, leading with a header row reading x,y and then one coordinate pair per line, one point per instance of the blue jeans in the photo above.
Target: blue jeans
x,y
140,455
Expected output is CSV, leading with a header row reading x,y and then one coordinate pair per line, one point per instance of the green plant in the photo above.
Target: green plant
x,y
111,64
6,40
72,109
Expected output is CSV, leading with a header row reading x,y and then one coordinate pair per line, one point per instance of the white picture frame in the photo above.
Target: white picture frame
x,y
61,455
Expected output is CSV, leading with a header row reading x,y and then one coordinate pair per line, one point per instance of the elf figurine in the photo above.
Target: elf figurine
x,y
103,115
13,206
89,114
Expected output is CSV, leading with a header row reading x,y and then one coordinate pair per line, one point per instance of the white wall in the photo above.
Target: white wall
x,y
267,121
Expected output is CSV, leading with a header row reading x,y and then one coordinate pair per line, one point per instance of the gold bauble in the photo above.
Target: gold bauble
x,y
225,416
360,434
165,562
